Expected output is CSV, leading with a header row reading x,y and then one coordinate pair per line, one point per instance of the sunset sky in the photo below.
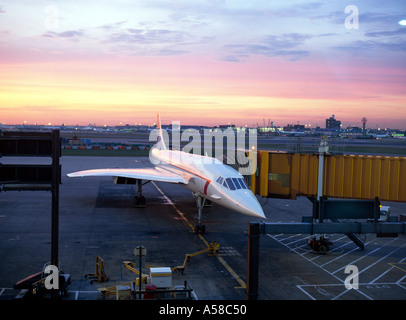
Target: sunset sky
x,y
203,62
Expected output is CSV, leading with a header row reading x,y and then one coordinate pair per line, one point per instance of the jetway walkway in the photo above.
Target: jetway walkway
x,y
288,175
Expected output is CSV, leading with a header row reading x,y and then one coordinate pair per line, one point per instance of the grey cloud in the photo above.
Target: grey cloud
x,y
72,34
378,18
398,32
112,26
149,36
69,34
235,58
165,42
360,48
286,45
136,50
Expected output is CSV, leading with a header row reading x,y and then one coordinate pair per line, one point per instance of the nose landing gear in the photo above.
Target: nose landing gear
x,y
199,228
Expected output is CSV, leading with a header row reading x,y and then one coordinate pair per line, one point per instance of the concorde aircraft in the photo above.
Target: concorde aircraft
x,y
207,178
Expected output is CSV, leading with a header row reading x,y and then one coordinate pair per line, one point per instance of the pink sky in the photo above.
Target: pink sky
x,y
198,91
115,72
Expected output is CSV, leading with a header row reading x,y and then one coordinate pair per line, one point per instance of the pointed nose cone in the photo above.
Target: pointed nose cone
x,y
250,206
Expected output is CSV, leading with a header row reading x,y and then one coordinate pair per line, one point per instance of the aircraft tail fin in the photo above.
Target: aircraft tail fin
x,y
160,142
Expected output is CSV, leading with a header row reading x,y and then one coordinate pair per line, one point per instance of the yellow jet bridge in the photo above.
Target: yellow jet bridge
x,y
288,175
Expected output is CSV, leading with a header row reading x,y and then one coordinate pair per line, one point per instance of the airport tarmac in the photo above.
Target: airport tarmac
x,y
98,218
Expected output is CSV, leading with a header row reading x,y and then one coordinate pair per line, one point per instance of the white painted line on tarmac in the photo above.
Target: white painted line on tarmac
x,y
371,252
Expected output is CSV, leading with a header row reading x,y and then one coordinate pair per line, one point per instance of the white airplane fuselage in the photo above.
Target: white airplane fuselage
x,y
206,177
210,179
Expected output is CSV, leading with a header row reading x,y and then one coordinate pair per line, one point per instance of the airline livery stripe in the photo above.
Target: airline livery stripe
x,y
197,175
206,186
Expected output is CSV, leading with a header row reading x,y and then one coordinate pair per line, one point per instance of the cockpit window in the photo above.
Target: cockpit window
x,y
243,184
220,180
230,184
237,183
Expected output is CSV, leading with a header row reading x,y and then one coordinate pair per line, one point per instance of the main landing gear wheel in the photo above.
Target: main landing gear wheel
x,y
199,228
139,202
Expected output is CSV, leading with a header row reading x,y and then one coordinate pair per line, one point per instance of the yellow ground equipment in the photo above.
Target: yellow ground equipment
x,y
213,248
100,274
130,266
113,289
